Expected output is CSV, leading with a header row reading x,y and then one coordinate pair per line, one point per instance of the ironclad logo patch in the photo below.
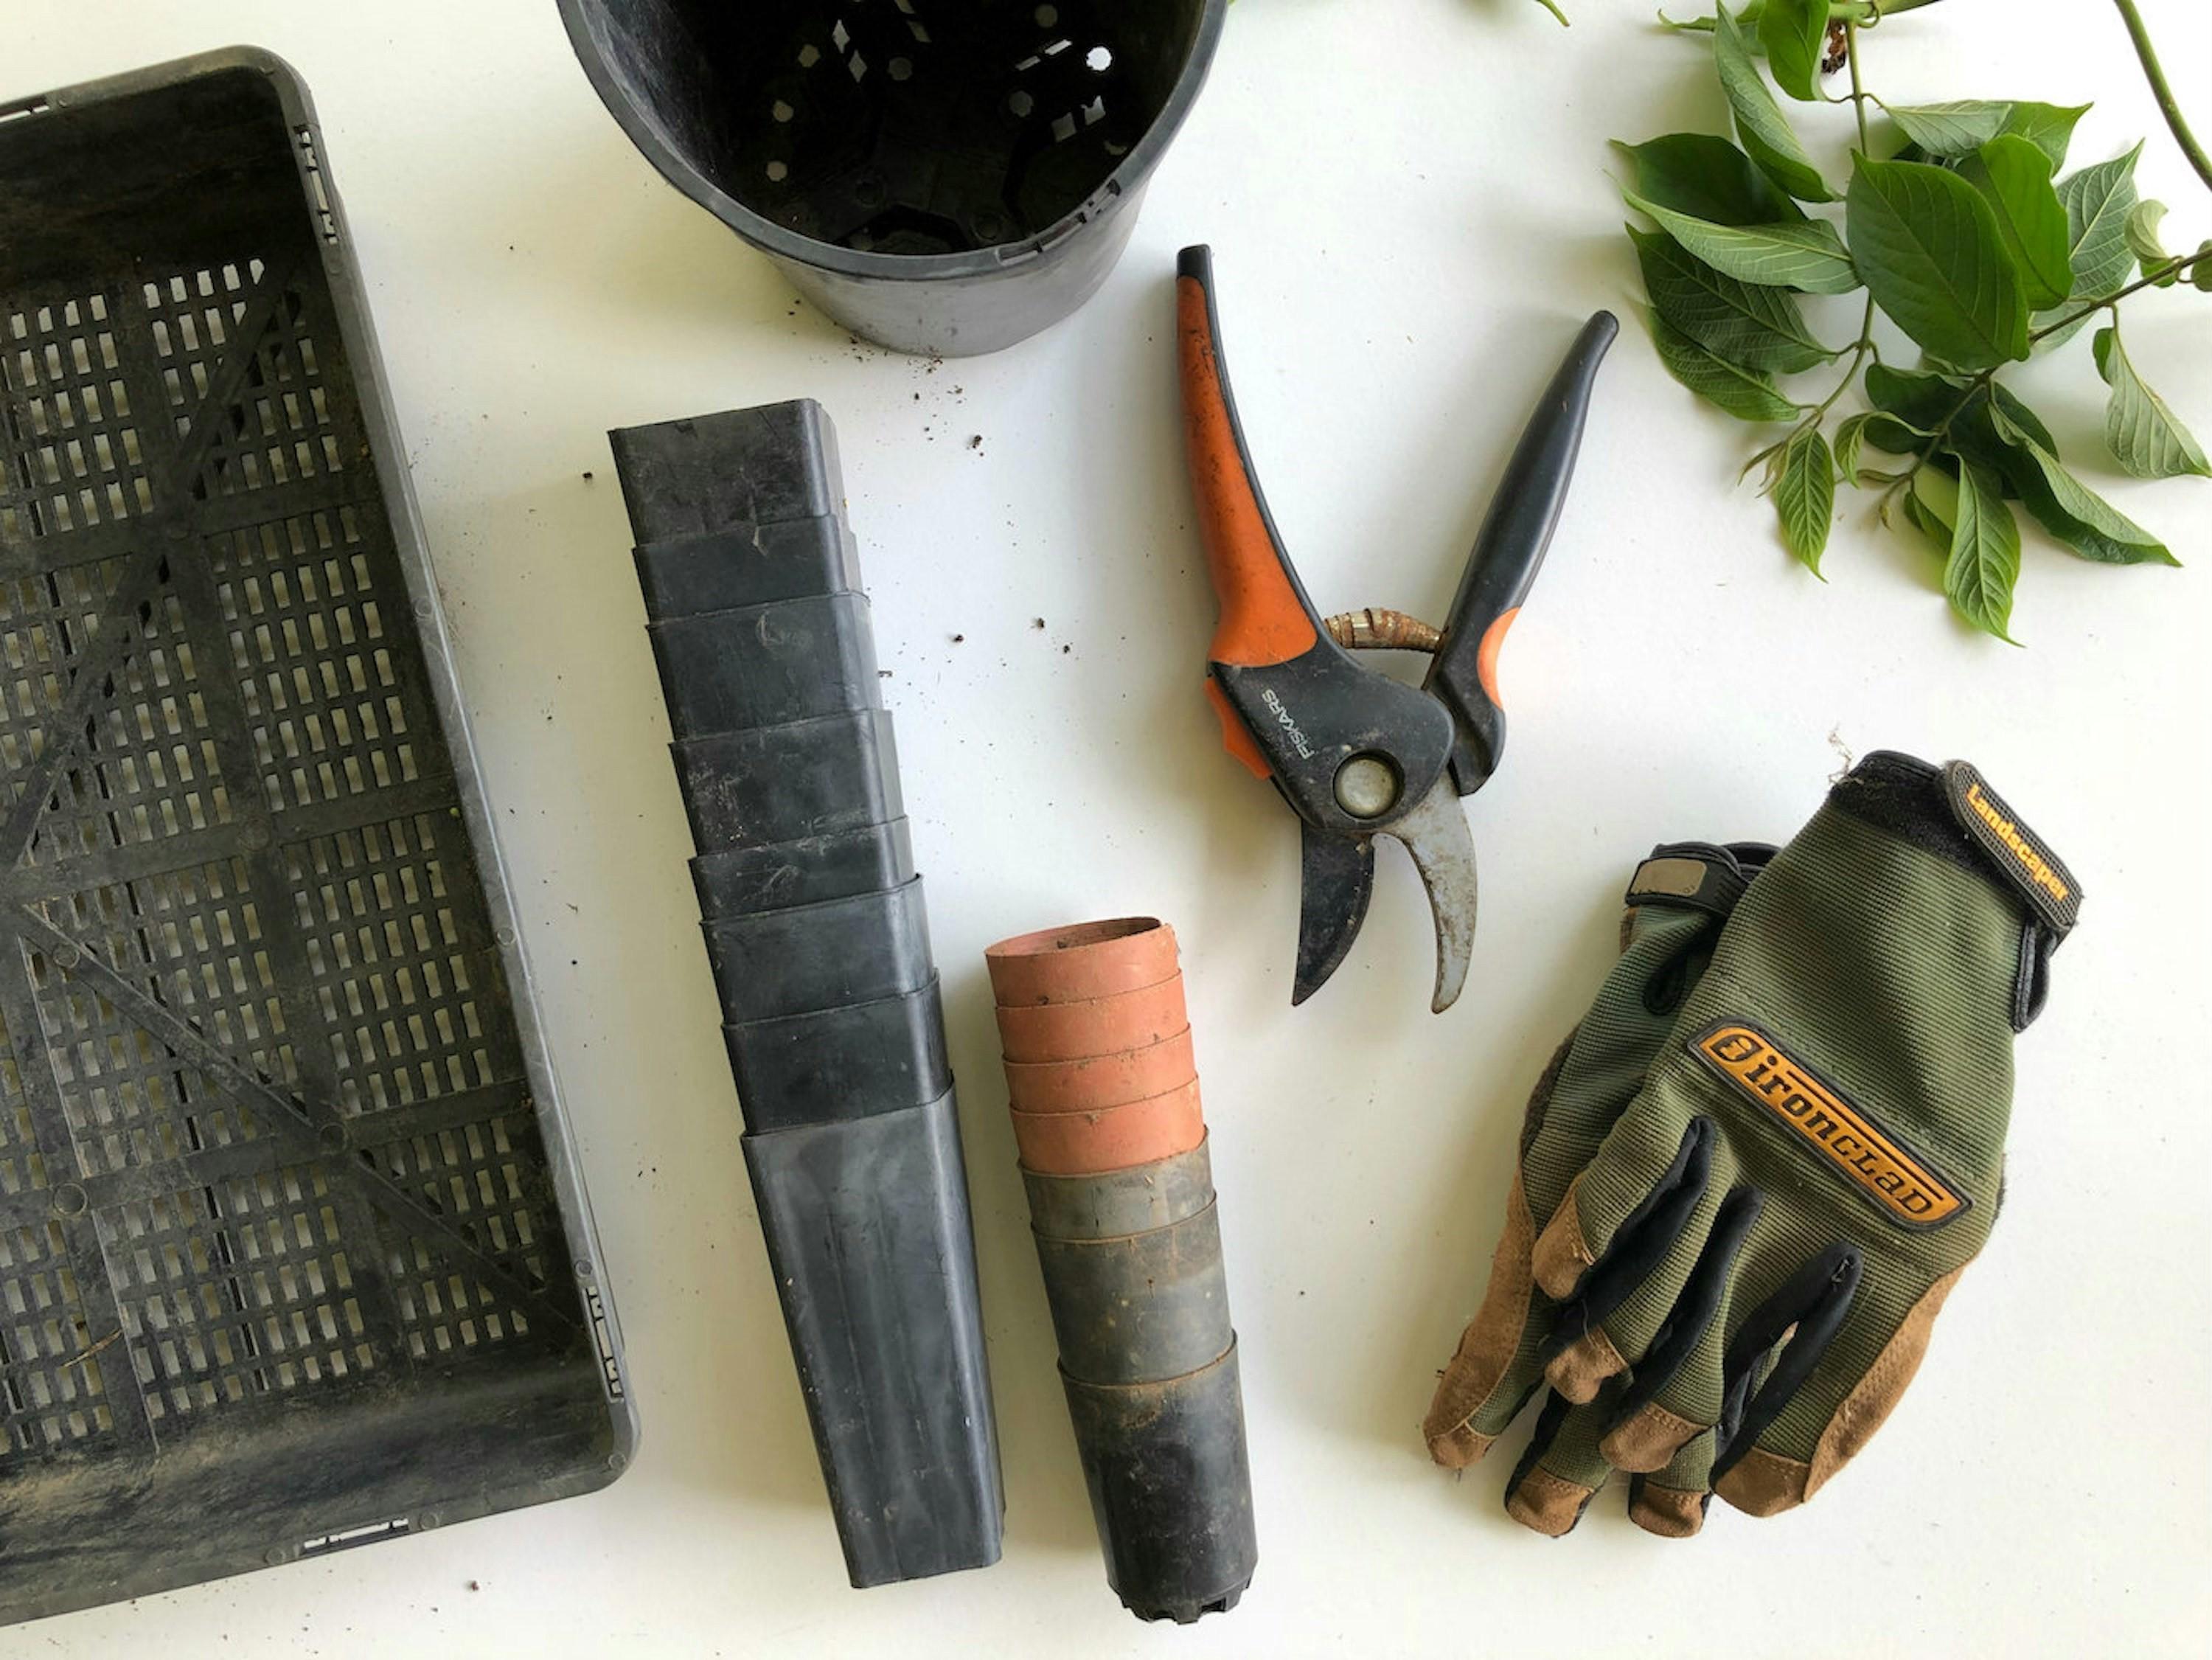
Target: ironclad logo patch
x,y
1883,1168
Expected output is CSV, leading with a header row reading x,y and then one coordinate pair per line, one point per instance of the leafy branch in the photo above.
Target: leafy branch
x,y
1963,236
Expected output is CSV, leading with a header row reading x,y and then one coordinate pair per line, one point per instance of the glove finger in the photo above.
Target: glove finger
x,y
1648,1161
1498,1364
1630,1296
1561,1468
1617,1305
1679,1385
1672,1501
1786,1449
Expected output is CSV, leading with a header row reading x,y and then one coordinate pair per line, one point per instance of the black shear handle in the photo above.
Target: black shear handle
x,y
1507,553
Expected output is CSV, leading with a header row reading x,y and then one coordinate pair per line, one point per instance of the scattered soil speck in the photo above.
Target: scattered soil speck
x,y
1036,621
957,638
588,477
976,442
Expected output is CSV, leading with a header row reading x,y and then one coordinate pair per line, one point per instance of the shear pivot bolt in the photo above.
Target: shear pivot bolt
x,y
1366,787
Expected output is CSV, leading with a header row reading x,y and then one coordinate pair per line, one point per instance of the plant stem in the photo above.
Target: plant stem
x,y
2167,104
1858,102
2175,267
1859,350
1872,11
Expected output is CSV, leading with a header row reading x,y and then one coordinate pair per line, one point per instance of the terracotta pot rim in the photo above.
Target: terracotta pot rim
x,y
1100,1141
1082,962
1088,1082
1093,1027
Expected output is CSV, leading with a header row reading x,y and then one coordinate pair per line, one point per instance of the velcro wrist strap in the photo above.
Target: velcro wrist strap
x,y
1952,813
1696,876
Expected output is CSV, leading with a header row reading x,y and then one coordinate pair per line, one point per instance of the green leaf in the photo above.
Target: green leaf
x,y
1935,527
1985,561
1746,394
1803,485
1551,6
1754,328
1796,35
2141,233
2070,511
1758,119
1806,255
1936,494
1957,128
1929,247
2097,202
2201,272
2014,179
1704,176
2049,127
1909,407
1851,437
2144,436
1953,130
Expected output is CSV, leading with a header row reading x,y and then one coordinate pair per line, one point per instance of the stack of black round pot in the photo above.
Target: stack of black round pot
x,y
820,949
1103,1081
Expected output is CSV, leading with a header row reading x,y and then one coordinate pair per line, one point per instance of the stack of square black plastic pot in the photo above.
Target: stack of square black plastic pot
x,y
820,948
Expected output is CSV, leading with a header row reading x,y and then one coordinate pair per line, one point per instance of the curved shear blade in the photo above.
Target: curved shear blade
x,y
1434,833
1336,877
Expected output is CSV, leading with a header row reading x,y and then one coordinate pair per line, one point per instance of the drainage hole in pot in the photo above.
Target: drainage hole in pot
x,y
1098,60
899,69
777,173
808,56
1046,16
1021,103
781,111
868,192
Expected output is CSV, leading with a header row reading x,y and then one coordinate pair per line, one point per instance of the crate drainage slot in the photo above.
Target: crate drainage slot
x,y
368,1534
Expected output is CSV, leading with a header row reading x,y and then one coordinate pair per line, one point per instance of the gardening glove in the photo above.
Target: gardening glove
x,y
1755,1255
1677,901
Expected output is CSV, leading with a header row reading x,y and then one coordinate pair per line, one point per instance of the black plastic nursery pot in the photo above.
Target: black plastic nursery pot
x,y
941,176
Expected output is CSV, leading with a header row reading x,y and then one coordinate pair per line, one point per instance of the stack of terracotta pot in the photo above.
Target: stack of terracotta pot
x,y
1105,1089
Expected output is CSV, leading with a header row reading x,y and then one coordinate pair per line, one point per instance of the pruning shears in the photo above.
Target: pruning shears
x,y
1355,753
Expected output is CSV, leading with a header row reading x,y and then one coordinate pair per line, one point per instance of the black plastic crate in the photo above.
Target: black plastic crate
x,y
293,1253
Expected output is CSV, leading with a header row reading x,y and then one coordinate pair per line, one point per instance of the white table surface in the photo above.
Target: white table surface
x,y
1410,210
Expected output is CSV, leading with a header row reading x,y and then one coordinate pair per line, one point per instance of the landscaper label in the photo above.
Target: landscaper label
x,y
2022,856
1880,1166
